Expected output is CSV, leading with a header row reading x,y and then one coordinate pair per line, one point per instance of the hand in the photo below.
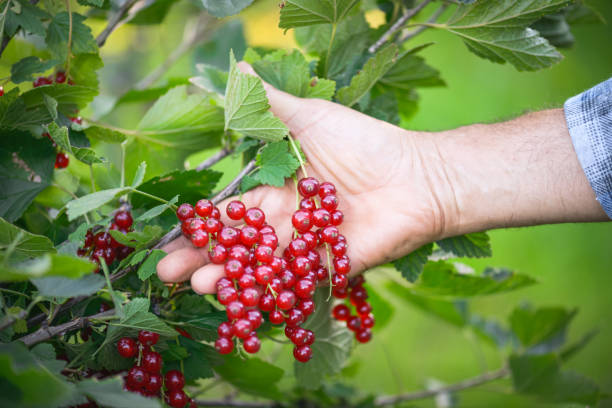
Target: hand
x,y
378,172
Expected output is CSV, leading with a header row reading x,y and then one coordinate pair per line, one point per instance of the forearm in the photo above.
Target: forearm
x,y
521,172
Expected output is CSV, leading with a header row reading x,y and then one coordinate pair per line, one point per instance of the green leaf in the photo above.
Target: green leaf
x,y
475,245
534,327
574,348
224,8
214,51
296,13
60,136
83,41
26,16
555,29
64,287
211,79
203,327
198,362
111,393
246,107
137,317
275,164
373,70
442,279
94,3
153,93
26,166
148,267
83,70
252,376
23,371
152,12
157,210
191,185
499,32
331,349
381,308
140,173
47,265
24,69
24,243
104,134
90,202
540,375
138,239
69,97
51,105
412,264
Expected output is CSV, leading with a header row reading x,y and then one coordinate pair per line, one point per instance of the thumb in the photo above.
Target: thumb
x,y
285,106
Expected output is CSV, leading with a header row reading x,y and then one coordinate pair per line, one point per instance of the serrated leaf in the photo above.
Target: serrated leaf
x,y
411,265
68,97
138,239
90,202
373,70
60,136
24,243
153,93
157,210
275,164
297,13
442,279
330,350
83,70
211,79
246,107
148,267
64,287
30,18
534,327
104,134
83,41
499,32
474,245
137,317
253,376
51,105
224,8
199,360
24,69
47,265
111,393
204,327
555,29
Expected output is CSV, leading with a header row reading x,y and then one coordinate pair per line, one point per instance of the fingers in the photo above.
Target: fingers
x,y
204,279
176,244
179,265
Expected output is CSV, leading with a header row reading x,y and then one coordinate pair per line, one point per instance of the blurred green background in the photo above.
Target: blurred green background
x,y
572,262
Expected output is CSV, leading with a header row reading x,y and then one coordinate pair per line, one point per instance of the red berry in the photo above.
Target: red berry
x,y
321,217
250,297
254,217
255,317
289,331
358,295
301,266
294,318
308,186
311,239
252,344
270,240
275,285
267,229
235,210
247,280
177,399
204,208
151,361
233,269
224,283
342,265
341,312
102,240
215,213
288,279
267,303
308,204
364,335
249,235
212,225
304,288
225,330
196,224
310,337
228,236
148,338
353,323
339,293
1,91
223,345
307,306
322,273
235,310
123,219
302,220
185,211
240,253
299,336
276,317
367,321
242,328
199,238
337,217
127,347
60,77
227,295
302,353
174,380
339,249
137,377
339,281
326,189
314,258
155,383
263,274
277,264
78,120
264,254
61,160
285,300
330,234
330,202
218,254
364,309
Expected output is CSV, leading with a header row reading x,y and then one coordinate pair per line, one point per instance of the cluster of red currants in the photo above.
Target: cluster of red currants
x,y
362,323
101,245
256,280
58,78
145,376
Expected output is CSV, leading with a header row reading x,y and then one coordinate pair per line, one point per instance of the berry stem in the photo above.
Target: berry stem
x,y
91,177
298,155
69,53
153,197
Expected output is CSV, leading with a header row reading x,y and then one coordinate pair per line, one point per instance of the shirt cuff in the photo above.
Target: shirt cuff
x,y
589,120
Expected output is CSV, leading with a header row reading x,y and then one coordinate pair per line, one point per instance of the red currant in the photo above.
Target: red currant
x,y
127,347
252,344
235,310
151,361
299,336
321,217
249,297
215,213
225,330
185,211
254,217
199,238
302,353
308,204
353,323
249,235
363,335
204,208
285,300
263,274
123,219
339,281
302,220
228,236
267,303
247,280
276,317
60,77
329,202
235,210
326,189
242,328
269,240
264,254
213,225
367,321
255,317
337,217
304,288
227,295
301,266
174,380
155,383
137,377
223,345
330,234
308,186
307,306
294,318
233,269
148,338
218,254
341,312
224,283
339,249
342,265
177,399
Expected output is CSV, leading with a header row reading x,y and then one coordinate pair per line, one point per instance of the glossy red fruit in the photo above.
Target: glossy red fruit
x,y
314,258
321,217
289,331
267,303
302,220
223,345
267,229
341,312
227,295
264,254
218,255
177,399
228,236
127,347
102,240
307,306
330,234
358,280
308,186
294,318
311,239
339,249
367,321
299,336
240,253
363,335
252,344
337,217
310,337
301,266
288,279
263,274
340,293
174,380
326,189
78,120
304,288
123,219
342,265
148,338
302,353
60,77
247,280
353,323
235,310
330,202
276,317
199,238
235,210
277,264
269,239
249,235
155,383
224,283
215,213
255,317
254,217
233,269
285,300
185,211
242,328
213,225
204,208
61,160
196,224
250,297
308,204
358,295
225,330
1,91
137,377
151,361
363,309
339,281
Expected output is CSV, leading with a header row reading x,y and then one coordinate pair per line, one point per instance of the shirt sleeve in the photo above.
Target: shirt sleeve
x,y
589,119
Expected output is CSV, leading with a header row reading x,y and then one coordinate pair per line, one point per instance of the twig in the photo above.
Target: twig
x,y
8,322
196,31
398,25
221,154
461,385
45,333
114,21
233,403
434,17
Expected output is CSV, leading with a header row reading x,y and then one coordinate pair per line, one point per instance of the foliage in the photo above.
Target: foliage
x,y
45,213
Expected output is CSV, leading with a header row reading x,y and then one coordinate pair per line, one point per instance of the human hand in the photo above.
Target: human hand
x,y
379,173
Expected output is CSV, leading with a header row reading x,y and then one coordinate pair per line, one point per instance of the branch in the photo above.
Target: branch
x,y
8,322
461,385
114,21
45,333
434,17
232,403
398,25
214,159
